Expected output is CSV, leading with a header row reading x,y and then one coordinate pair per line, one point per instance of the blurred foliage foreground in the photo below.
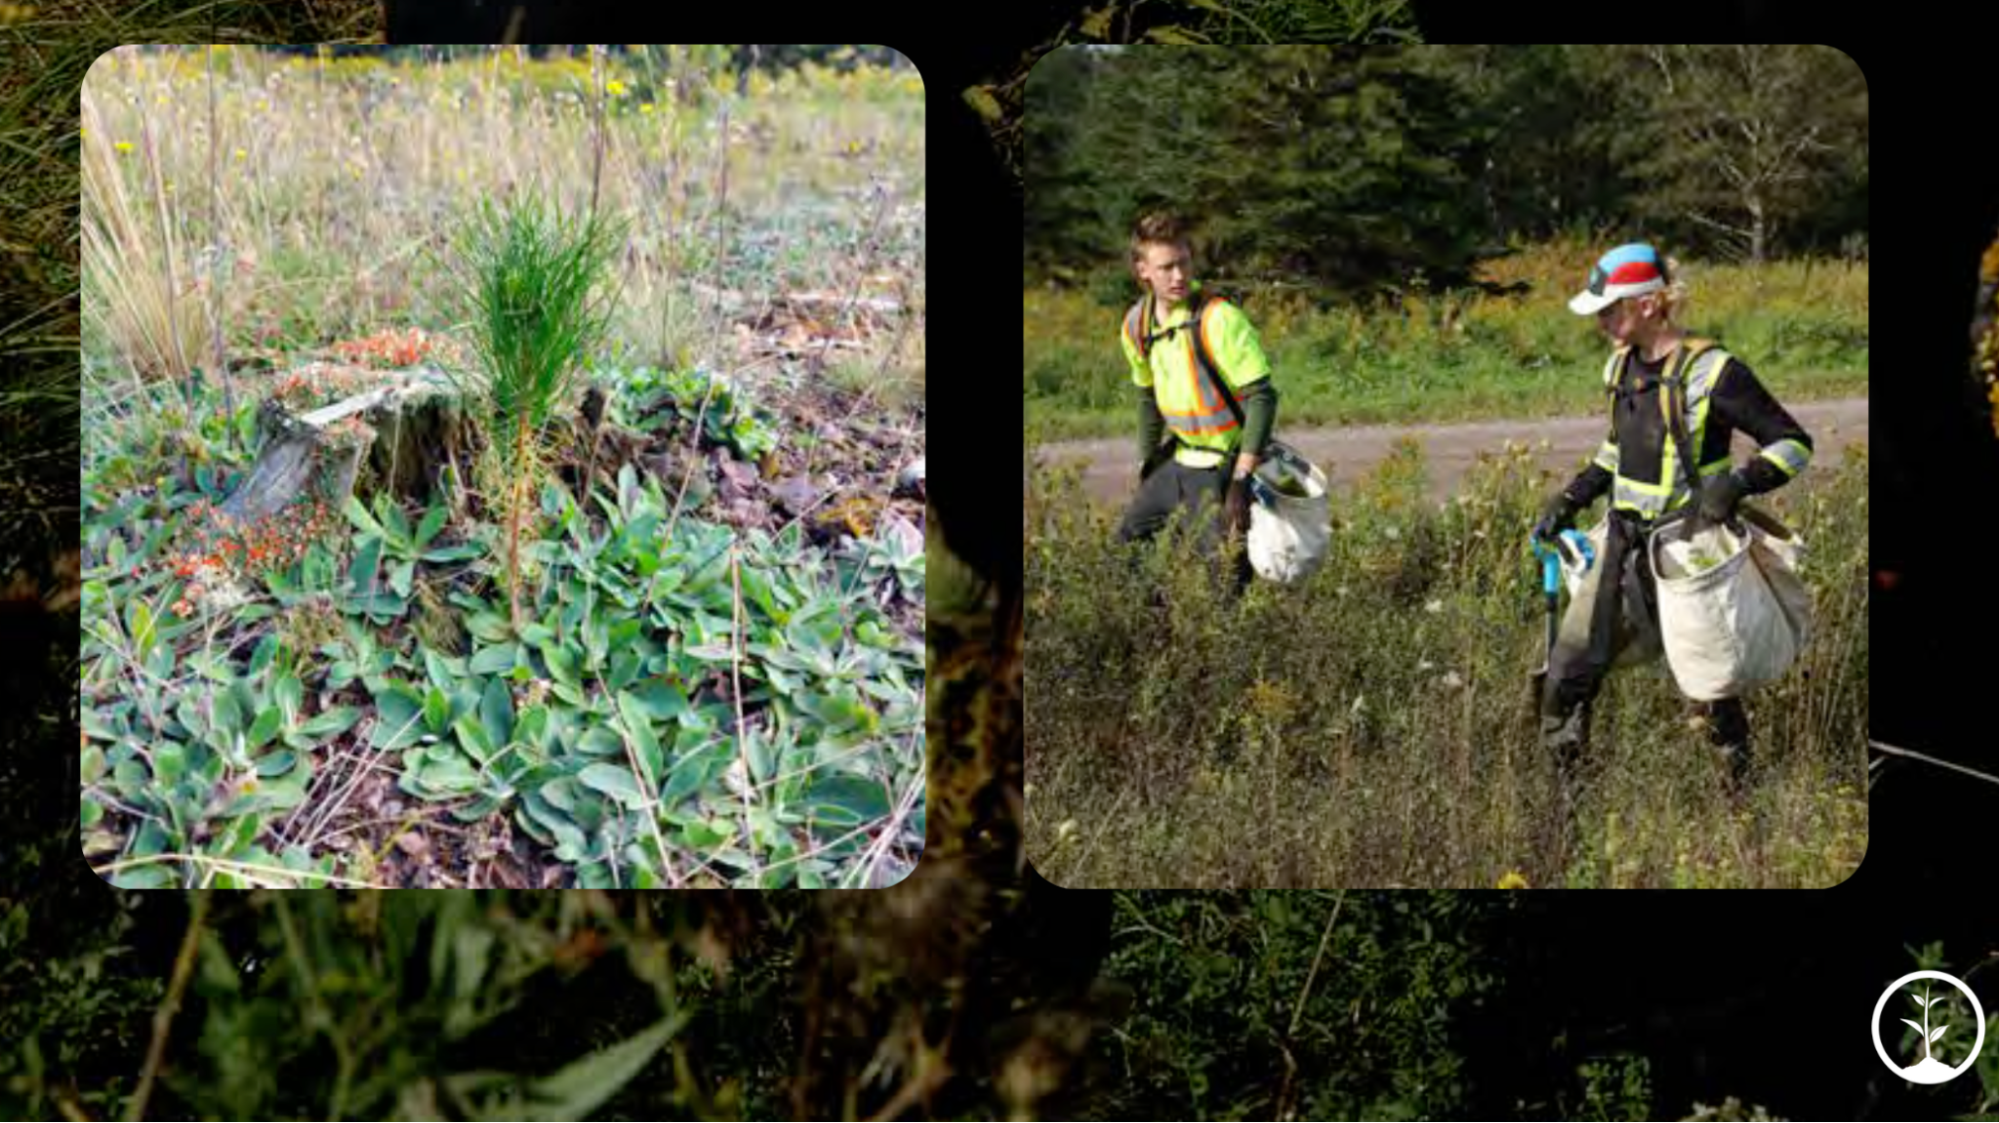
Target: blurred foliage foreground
x,y
451,1005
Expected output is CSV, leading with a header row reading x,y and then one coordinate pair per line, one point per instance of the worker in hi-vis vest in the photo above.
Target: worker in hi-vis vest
x,y
1635,297
1205,400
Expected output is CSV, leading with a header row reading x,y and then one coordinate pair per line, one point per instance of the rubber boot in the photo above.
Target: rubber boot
x,y
1728,732
1565,735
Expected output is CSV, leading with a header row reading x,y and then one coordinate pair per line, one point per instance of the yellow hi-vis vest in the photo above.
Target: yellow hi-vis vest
x,y
1185,362
1690,376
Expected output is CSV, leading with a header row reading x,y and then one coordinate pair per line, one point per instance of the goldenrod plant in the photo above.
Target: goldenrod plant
x,y
527,278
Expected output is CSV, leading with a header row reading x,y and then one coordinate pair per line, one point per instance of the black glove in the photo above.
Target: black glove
x,y
1719,496
1559,515
1235,504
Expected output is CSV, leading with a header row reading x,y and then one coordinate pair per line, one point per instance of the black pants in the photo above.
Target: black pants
x,y
1198,491
1623,619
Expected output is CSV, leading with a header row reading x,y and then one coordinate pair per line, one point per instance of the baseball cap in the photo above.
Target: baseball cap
x,y
1628,270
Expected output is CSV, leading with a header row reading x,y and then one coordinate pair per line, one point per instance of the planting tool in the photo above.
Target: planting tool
x,y
1569,550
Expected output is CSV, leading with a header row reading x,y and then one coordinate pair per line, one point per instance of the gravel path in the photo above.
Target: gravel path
x,y
1346,454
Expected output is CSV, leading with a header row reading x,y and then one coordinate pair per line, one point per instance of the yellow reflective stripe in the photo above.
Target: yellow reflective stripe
x,y
1197,412
1606,456
1705,372
1669,463
1201,378
1646,501
1698,370
1701,381
1629,497
1790,455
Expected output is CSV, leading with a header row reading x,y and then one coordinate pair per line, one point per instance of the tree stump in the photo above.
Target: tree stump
x,y
409,429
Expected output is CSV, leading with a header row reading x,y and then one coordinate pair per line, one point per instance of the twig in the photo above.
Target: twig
x,y
1325,938
163,1017
742,749
1298,1010
215,265
693,459
931,1073
1878,746
325,810
871,858
870,304
869,247
238,868
652,799
715,213
597,132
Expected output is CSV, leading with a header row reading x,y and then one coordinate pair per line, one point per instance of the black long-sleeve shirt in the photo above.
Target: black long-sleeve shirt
x,y
1638,428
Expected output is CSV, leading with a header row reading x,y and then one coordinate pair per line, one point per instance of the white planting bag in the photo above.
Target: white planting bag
x,y
1632,646
1733,614
1289,526
1579,579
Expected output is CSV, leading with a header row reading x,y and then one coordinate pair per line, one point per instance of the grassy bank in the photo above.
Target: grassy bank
x,y
1374,726
1802,326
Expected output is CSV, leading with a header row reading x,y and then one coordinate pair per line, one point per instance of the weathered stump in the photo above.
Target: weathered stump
x,y
409,430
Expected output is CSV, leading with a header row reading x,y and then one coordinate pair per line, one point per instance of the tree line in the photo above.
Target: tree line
x,y
1347,168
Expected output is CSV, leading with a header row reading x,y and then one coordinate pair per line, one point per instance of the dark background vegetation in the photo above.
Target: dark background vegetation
x,y
1374,168
1933,617
1456,1005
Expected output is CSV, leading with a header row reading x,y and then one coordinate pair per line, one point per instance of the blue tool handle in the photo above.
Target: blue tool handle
x,y
1551,565
1576,544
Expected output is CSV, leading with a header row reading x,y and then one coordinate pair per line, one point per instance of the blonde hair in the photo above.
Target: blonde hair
x,y
1673,299
1153,228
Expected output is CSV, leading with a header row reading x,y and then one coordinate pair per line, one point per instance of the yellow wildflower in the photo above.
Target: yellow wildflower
x,y
615,88
123,146
645,107
1513,879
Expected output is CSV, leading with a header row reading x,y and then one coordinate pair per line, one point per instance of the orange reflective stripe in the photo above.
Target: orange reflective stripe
x,y
1210,415
1199,373
1195,430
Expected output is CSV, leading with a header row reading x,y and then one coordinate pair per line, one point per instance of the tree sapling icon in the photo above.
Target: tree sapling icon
x,y
1929,1063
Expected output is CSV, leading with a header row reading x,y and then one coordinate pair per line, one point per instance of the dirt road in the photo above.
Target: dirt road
x,y
1348,453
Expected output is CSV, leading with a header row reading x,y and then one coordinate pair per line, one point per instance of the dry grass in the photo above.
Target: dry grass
x,y
1373,726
